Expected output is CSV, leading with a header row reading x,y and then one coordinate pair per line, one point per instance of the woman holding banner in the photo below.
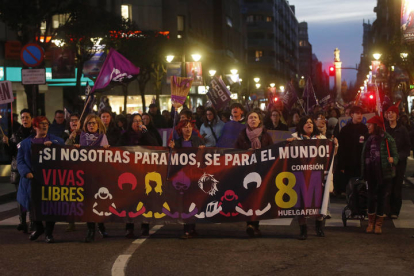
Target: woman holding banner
x,y
306,129
253,137
187,140
137,135
93,135
379,156
24,155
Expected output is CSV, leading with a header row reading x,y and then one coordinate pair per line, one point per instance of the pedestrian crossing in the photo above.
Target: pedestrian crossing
x,y
404,221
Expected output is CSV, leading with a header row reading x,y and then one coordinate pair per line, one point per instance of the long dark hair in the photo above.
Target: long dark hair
x,y
214,121
132,121
302,123
151,122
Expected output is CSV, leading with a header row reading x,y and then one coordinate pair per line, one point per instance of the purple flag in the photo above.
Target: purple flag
x,y
309,96
290,97
116,68
218,93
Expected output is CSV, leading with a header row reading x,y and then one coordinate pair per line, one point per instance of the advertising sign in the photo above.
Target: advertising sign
x,y
407,20
63,64
194,71
92,67
173,69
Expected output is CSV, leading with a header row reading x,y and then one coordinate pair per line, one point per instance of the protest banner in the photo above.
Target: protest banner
x,y
6,92
128,184
218,93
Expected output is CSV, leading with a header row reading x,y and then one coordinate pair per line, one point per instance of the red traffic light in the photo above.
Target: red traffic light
x,y
331,70
371,97
275,99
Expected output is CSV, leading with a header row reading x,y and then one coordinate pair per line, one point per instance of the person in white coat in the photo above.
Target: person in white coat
x,y
211,128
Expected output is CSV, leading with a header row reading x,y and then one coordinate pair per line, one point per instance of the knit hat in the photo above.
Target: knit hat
x,y
393,108
377,121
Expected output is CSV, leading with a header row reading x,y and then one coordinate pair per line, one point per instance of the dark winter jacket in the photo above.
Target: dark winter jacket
x,y
351,140
195,142
113,133
243,142
402,140
388,170
142,139
58,130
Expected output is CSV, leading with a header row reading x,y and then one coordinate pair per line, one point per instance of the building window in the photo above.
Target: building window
x,y
126,12
250,19
269,18
59,20
180,23
229,21
259,18
258,55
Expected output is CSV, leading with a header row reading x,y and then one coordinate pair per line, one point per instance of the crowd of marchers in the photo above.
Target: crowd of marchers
x,y
375,152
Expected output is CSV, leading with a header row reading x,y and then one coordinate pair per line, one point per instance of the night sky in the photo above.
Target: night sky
x,y
336,23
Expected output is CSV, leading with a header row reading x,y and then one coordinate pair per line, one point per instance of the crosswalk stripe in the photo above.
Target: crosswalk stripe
x,y
405,219
278,222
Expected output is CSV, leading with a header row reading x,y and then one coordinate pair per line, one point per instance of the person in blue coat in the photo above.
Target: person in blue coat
x,y
41,126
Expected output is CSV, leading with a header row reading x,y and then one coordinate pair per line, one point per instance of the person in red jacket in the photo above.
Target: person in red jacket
x,y
254,136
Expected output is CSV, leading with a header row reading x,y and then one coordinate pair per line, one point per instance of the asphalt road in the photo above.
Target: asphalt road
x,y
220,249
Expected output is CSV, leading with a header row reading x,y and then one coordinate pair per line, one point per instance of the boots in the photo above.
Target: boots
x,y
145,229
319,224
303,232
22,225
102,230
371,223
90,237
378,224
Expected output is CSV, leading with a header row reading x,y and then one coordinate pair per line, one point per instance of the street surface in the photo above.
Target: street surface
x,y
220,249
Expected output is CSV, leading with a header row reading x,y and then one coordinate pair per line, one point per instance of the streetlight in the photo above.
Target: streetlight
x,y
212,72
233,71
196,57
377,56
256,80
282,88
403,55
169,58
272,84
257,85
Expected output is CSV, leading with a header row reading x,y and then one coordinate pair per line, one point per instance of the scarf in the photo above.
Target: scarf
x,y
90,139
253,136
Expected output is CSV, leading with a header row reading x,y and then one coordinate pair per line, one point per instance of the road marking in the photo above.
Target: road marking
x,y
120,264
279,222
8,206
405,219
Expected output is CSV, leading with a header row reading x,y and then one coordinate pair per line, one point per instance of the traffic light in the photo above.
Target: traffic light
x,y
331,71
371,97
275,99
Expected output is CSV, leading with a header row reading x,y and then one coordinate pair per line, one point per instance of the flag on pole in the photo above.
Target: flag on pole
x,y
309,94
290,97
116,68
378,101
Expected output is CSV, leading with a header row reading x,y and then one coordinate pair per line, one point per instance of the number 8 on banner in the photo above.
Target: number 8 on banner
x,y
286,189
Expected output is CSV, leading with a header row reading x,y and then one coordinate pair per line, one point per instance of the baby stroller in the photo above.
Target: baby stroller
x,y
356,198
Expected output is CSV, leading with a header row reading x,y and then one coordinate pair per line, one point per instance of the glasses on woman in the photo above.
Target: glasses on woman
x,y
91,123
137,121
74,120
